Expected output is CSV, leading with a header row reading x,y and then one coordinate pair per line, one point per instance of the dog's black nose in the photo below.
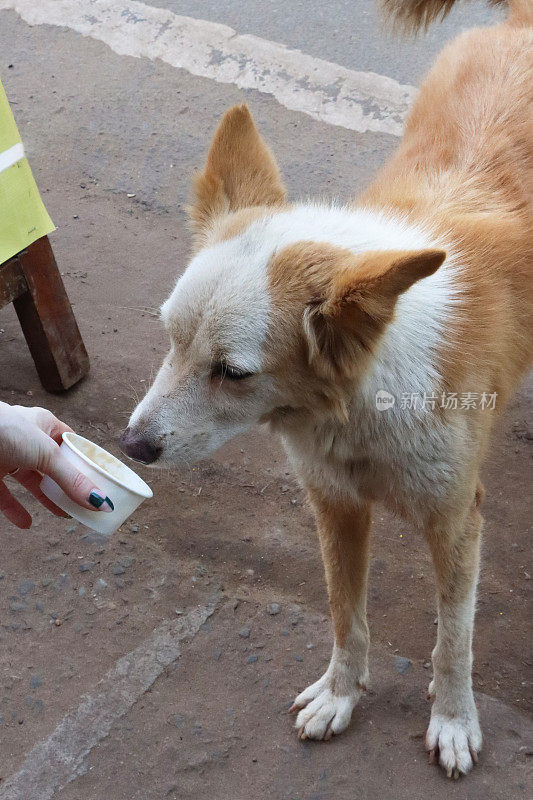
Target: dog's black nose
x,y
137,447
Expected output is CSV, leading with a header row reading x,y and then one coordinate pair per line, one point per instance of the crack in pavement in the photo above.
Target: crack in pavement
x,y
54,762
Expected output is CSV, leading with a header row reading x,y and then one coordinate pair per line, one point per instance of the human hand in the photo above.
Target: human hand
x,y
29,449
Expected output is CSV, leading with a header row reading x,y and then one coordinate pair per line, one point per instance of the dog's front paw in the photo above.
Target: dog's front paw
x,y
322,712
455,741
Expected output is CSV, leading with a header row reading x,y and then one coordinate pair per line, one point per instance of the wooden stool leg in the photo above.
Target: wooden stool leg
x,y
48,322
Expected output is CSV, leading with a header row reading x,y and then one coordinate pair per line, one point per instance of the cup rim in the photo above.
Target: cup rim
x,y
67,438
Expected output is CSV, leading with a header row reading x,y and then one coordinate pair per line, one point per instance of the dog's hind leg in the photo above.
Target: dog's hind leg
x,y
454,735
326,706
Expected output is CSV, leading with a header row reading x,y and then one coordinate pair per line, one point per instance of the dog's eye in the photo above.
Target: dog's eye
x,y
222,370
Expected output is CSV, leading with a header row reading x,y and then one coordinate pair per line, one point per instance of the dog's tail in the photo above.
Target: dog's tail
x,y
415,14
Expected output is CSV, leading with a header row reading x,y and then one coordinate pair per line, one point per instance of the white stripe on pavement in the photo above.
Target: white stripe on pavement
x,y
359,101
56,761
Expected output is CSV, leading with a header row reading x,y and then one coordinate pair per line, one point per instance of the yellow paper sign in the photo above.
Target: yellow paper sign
x,y
23,217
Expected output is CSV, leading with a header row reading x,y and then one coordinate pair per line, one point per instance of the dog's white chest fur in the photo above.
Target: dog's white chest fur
x,y
380,455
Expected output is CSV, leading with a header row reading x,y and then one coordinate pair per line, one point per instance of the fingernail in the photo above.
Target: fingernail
x,y
99,502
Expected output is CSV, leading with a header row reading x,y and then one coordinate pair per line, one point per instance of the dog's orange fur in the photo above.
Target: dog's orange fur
x,y
415,14
240,173
464,171
465,166
346,302
344,532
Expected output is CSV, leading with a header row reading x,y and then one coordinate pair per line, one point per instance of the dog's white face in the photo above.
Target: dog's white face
x,y
280,306
212,384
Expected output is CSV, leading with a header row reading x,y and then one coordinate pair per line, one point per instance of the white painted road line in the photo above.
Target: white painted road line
x,y
56,761
359,101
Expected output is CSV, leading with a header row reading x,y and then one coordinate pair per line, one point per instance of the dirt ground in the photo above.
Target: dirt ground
x,y
214,723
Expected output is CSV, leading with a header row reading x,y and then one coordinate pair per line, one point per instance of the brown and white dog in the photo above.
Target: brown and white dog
x,y
325,321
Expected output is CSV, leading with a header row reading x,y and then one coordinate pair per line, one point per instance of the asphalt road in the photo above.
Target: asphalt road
x,y
167,674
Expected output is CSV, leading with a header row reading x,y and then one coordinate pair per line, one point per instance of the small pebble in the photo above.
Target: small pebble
x,y
36,681
402,664
61,581
71,528
86,566
134,528
252,659
118,569
26,587
244,633
16,606
273,608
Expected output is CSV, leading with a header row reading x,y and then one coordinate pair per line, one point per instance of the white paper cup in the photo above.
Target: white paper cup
x,y
111,476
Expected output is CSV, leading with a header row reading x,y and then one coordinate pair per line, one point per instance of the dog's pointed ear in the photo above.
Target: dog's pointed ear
x,y
347,320
240,171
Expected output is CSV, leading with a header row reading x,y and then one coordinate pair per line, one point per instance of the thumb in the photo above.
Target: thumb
x,y
76,485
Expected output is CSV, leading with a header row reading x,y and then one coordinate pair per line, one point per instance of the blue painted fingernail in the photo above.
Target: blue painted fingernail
x,y
99,502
